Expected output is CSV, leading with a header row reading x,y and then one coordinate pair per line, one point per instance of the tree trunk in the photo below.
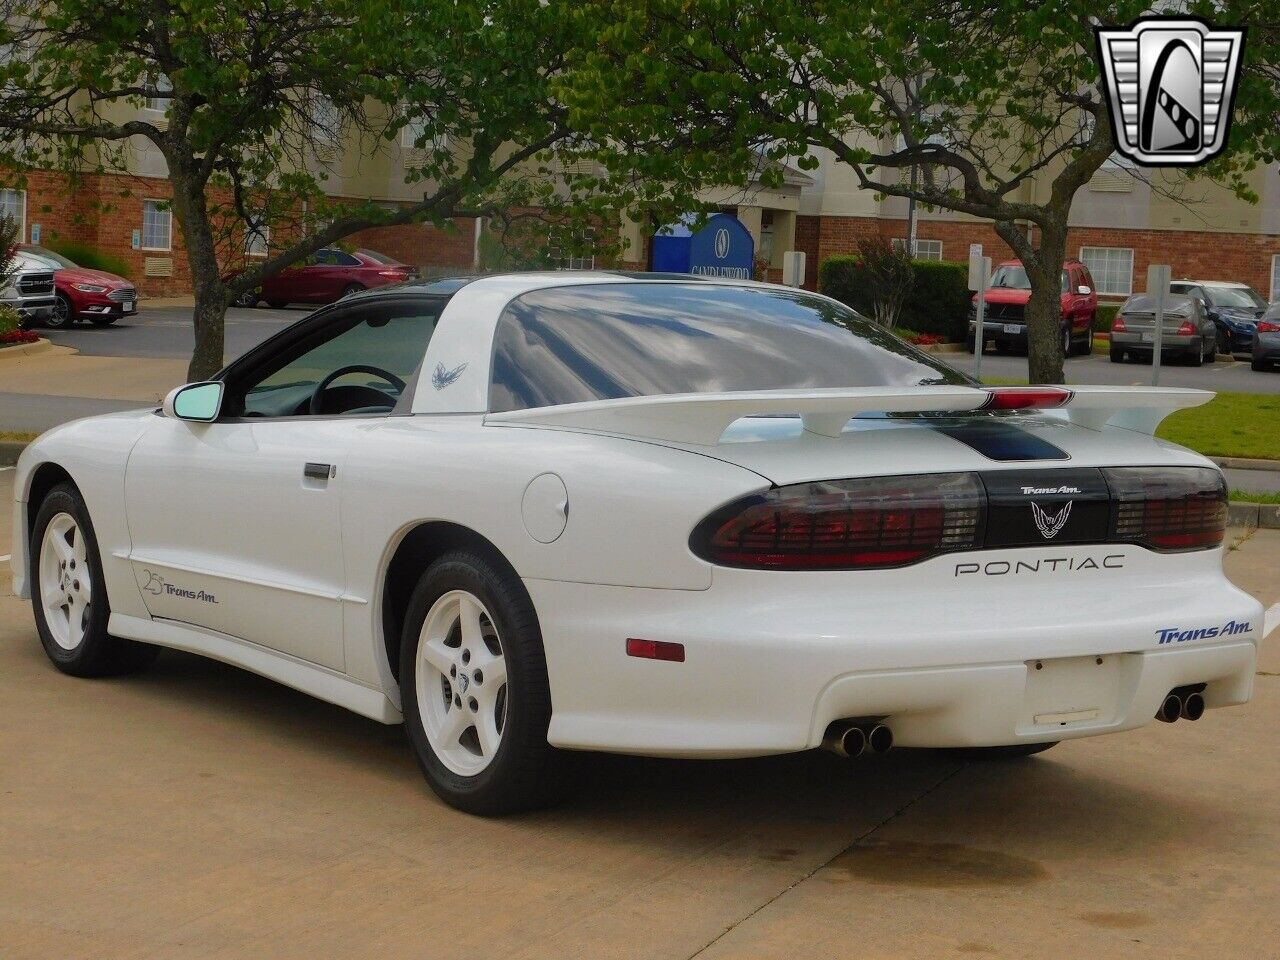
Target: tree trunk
x,y
192,213
1043,315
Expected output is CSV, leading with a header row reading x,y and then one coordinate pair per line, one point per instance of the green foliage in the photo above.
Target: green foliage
x,y
90,257
937,301
9,237
1106,313
9,319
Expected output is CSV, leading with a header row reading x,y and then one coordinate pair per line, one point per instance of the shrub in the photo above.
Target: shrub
x,y
10,329
1106,313
90,257
937,303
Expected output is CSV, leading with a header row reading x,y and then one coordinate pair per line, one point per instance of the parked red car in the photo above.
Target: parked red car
x,y
328,275
83,294
1007,296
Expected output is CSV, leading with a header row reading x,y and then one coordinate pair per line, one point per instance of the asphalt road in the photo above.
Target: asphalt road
x,y
166,332
197,811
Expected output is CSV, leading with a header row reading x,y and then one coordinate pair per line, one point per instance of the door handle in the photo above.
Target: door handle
x,y
319,471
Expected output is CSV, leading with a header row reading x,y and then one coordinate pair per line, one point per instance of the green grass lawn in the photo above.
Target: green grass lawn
x,y
1252,496
17,435
1229,425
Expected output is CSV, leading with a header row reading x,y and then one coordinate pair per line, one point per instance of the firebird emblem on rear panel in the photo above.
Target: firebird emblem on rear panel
x,y
1050,526
442,376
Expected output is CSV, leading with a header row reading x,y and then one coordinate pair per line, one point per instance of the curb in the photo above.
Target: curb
x,y
1246,463
1263,515
26,350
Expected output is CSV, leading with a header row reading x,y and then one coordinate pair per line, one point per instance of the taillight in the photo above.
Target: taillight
x,y
868,523
1117,324
1026,398
1266,326
1168,508
1187,329
394,274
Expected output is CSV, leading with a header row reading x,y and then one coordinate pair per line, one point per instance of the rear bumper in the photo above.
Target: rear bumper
x,y
950,661
1170,344
1266,346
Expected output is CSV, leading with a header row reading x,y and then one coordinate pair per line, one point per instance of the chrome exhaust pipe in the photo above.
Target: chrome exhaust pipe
x,y
880,739
845,740
1192,707
1171,709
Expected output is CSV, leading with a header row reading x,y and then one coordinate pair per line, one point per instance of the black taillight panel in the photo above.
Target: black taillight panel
x,y
885,522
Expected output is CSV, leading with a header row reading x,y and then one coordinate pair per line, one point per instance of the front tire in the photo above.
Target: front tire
x,y
63,313
69,596
474,690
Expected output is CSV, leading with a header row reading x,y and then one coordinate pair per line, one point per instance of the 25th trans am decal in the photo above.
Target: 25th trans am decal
x,y
1229,629
157,585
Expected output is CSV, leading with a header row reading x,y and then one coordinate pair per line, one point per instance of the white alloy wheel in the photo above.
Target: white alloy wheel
x,y
461,683
66,588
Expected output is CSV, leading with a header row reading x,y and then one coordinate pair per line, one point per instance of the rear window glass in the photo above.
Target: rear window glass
x,y
608,341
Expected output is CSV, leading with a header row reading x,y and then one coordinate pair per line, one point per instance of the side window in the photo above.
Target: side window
x,y
360,362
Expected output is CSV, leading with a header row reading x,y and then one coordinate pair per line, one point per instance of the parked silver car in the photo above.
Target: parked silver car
x,y
29,289
1187,330
1266,339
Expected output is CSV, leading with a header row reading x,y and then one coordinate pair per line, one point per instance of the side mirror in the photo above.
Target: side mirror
x,y
200,402
1083,290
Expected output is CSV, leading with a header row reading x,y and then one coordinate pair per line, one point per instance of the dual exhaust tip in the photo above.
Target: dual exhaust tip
x,y
852,739
1188,706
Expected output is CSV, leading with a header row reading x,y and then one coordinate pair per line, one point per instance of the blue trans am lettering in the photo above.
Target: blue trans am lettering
x,y
1229,629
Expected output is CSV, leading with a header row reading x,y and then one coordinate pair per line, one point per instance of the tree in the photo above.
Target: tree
x,y
890,272
254,92
996,103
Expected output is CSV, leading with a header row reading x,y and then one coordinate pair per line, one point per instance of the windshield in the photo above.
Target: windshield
x,y
1241,297
1013,276
58,260
607,341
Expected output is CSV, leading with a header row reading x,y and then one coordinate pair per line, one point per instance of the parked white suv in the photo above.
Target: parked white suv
x,y
29,289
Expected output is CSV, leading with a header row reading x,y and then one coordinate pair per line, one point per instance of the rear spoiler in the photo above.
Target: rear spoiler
x,y
702,418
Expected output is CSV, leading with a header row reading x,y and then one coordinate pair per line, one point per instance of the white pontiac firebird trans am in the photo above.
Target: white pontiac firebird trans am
x,y
532,514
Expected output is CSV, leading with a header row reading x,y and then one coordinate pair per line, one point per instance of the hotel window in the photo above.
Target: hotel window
x,y
578,258
326,119
157,225
1275,277
925,249
1112,269
13,203
257,237
160,104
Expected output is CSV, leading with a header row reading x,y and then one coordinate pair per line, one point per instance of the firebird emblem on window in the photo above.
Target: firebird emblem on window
x,y
442,377
1050,526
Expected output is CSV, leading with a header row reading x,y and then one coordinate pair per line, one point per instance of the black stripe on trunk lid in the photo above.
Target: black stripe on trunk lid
x,y
999,440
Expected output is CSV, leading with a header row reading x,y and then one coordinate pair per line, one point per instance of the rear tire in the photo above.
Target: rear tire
x,y
1014,751
249,298
350,289
69,596
1259,365
1117,355
1067,342
474,690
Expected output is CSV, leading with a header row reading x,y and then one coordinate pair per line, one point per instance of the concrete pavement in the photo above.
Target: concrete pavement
x,y
201,812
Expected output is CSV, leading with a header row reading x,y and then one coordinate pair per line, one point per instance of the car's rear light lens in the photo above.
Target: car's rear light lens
x,y
1117,324
1266,326
1026,398
394,274
1168,508
868,523
1187,329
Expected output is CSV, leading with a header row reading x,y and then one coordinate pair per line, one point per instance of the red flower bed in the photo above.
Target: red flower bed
x,y
926,339
18,336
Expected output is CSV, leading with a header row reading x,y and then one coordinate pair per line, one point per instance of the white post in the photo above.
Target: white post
x,y
979,271
1158,278
793,268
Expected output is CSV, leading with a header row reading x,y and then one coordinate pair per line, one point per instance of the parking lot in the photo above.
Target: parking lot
x,y
198,811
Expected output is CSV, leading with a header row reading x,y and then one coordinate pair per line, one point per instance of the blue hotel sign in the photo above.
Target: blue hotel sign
x,y
722,248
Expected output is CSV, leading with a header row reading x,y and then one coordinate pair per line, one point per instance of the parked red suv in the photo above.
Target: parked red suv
x,y
1006,302
83,294
328,275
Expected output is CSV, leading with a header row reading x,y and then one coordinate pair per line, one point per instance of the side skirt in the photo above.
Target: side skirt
x,y
322,683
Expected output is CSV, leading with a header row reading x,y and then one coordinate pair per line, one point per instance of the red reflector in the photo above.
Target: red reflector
x,y
1266,326
655,650
1027,398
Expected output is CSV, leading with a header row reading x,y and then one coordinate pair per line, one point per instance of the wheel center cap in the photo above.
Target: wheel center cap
x,y
463,682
